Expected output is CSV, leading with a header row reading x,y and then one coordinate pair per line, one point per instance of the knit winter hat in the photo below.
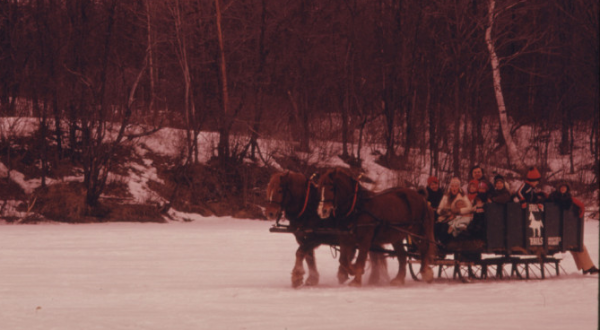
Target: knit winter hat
x,y
498,178
432,179
455,181
533,174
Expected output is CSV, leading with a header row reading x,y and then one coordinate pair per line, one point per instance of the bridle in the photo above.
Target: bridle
x,y
285,192
333,201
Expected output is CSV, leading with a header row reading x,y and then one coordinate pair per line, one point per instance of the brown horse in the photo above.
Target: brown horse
x,y
294,194
388,217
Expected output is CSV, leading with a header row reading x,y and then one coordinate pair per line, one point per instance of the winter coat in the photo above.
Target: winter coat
x,y
501,196
471,195
566,200
448,203
528,194
434,197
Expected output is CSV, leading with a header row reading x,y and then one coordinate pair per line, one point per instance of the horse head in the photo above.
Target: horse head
x,y
287,191
338,190
277,195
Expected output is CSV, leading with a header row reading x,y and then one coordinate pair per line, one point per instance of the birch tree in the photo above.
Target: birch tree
x,y
514,158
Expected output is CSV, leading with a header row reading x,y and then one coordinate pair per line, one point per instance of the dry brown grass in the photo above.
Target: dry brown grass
x,y
62,202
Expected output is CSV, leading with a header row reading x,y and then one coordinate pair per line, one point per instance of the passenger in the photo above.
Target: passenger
x,y
434,193
477,173
476,228
528,192
500,193
472,190
481,198
563,198
455,212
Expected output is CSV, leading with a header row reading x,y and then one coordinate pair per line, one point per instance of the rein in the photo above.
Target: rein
x,y
353,207
397,227
285,193
305,199
353,200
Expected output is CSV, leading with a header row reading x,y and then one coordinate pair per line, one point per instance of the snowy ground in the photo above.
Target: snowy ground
x,y
221,273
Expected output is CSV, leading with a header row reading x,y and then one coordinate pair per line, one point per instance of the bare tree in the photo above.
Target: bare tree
x,y
225,120
514,156
188,99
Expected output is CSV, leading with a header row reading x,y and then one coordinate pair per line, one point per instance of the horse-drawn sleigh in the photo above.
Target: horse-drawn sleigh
x,y
339,212
516,243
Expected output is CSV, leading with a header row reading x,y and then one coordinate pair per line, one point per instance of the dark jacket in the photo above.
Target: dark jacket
x,y
434,197
501,196
528,194
566,201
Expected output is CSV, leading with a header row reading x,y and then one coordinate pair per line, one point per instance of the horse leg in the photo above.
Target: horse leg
x,y
346,255
359,265
379,271
426,272
298,271
313,274
401,255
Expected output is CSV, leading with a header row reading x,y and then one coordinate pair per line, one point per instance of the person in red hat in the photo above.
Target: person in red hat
x,y
528,192
472,190
476,228
477,174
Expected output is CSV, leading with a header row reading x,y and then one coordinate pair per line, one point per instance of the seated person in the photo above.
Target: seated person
x,y
528,193
563,198
472,190
455,212
477,226
476,173
500,193
482,197
434,194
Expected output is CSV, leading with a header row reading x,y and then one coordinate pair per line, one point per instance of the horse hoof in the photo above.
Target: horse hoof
x,y
427,276
397,282
312,281
342,278
355,283
342,275
297,281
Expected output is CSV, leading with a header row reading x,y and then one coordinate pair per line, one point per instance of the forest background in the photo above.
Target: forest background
x,y
451,83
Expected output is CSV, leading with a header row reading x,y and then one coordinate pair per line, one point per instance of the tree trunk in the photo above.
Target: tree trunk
x,y
258,104
224,128
512,152
188,102
456,143
151,68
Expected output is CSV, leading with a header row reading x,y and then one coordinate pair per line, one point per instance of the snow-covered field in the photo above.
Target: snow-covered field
x,y
222,273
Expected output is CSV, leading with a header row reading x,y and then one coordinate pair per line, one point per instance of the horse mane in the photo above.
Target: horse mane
x,y
354,179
